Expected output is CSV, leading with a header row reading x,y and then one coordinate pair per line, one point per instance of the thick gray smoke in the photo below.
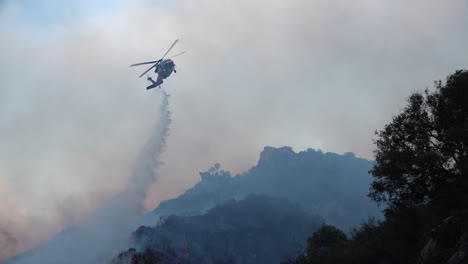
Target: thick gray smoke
x,y
106,232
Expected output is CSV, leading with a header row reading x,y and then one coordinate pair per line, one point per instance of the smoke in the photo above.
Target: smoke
x,y
8,236
8,242
106,231
73,119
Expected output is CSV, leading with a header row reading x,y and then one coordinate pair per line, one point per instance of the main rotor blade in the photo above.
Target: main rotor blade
x,y
148,70
177,55
173,44
142,63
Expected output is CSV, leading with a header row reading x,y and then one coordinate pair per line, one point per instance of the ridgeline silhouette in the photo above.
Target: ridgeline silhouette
x,y
332,186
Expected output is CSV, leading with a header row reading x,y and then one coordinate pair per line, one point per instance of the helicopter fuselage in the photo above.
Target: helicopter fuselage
x,y
162,67
165,68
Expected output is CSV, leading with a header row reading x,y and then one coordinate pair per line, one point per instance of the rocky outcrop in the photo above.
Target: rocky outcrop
x,y
331,185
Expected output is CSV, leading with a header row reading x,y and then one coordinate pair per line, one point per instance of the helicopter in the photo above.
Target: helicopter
x,y
163,67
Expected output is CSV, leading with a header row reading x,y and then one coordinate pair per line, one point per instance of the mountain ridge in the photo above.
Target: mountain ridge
x,y
322,183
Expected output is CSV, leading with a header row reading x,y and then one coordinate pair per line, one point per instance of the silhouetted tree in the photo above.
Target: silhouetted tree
x,y
422,155
421,173
326,245
327,236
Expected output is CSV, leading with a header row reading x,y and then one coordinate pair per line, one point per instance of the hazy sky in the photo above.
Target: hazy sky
x,y
320,74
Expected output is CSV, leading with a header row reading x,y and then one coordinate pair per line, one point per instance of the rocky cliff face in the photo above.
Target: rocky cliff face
x,y
330,185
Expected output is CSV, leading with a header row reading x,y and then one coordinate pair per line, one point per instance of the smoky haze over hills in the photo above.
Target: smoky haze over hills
x,y
309,187
264,215
332,186
322,74
301,73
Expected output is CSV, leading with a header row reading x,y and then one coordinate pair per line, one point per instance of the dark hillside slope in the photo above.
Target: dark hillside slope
x,y
258,229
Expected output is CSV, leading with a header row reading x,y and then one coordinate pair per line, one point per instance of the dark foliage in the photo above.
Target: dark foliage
x,y
398,239
147,256
422,155
258,229
325,242
327,236
421,174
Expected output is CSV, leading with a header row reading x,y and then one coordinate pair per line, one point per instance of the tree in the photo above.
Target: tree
x,y
422,155
326,237
327,245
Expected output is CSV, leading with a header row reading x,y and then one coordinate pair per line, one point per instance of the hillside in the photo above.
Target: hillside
x,y
258,229
326,184
331,187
